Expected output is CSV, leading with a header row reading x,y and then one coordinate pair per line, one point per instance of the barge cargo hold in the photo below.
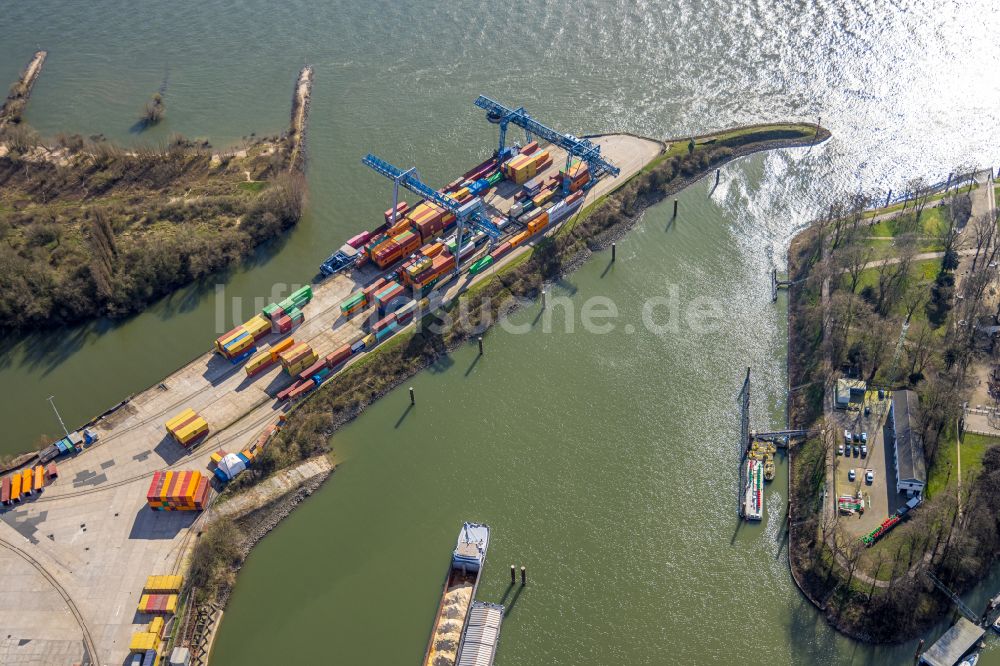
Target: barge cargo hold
x,y
460,587
481,635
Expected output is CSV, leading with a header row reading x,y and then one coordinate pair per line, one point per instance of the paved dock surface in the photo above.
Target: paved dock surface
x,y
90,531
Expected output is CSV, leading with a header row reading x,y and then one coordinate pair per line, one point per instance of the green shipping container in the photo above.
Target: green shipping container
x,y
351,301
481,264
305,293
269,309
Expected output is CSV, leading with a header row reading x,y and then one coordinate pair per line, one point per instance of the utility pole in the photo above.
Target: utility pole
x,y
52,402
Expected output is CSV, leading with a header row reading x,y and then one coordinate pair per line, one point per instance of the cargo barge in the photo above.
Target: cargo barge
x,y
460,587
753,491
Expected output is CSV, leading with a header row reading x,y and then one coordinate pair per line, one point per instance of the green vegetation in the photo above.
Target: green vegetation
x,y
216,558
743,136
869,302
253,186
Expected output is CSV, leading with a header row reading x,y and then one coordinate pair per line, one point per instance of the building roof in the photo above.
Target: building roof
x,y
909,445
845,387
956,642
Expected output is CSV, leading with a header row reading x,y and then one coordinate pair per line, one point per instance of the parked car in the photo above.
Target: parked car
x,y
864,438
868,410
857,451
840,449
864,450
857,437
870,476
847,436
851,475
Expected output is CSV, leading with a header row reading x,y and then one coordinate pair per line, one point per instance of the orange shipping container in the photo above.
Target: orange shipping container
x,y
26,481
15,487
39,478
520,238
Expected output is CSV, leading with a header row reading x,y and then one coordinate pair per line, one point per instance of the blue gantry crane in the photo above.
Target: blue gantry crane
x,y
471,213
587,151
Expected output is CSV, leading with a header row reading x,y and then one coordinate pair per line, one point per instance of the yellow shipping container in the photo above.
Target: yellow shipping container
x,y
172,603
257,326
142,641
179,419
166,583
143,602
232,335
156,626
192,430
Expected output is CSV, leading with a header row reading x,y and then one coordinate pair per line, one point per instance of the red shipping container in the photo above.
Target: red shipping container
x,y
529,148
284,324
382,323
312,369
5,490
283,394
302,389
500,250
340,355
401,209
372,288
51,471
155,486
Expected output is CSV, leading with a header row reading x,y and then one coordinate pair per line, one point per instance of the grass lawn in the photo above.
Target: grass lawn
x,y
253,185
924,271
899,206
973,448
933,222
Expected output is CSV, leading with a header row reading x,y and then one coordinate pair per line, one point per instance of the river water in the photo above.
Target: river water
x,y
603,462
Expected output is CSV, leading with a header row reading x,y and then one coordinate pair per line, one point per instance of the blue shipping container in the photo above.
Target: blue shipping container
x,y
357,346
150,658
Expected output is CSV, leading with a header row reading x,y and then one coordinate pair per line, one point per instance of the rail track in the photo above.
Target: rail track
x,y
88,641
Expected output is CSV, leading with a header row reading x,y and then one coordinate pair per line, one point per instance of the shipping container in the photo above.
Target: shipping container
x,y
353,303
359,240
500,250
26,478
156,626
15,488
142,641
180,419
520,238
5,490
283,394
271,310
342,354
529,148
321,375
401,208
373,287
38,479
388,330
302,389
257,327
312,369
402,225
279,347
382,323
151,658
52,471
481,264
163,584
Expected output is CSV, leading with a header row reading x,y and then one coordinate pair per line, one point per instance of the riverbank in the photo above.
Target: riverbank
x,y
92,229
883,592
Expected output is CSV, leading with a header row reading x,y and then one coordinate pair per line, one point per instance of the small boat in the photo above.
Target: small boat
x,y
769,469
971,660
460,587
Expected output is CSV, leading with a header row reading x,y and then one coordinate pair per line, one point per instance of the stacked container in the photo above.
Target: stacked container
x,y
158,604
500,250
235,344
537,221
143,641
178,491
401,208
578,175
186,427
519,239
166,584
429,220
297,358
566,207
356,302
156,626
260,361
390,296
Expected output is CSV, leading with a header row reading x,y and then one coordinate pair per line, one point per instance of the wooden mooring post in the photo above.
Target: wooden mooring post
x,y
412,399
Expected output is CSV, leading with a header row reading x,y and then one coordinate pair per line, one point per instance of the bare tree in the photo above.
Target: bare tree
x,y
854,259
983,232
920,192
892,275
920,349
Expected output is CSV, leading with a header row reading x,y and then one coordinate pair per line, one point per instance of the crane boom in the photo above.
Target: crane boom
x,y
586,150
